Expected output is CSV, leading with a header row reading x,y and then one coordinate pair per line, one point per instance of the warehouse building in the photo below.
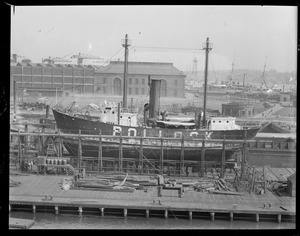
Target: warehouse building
x,y
238,109
48,79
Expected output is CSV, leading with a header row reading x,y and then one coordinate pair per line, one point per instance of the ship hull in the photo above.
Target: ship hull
x,y
73,124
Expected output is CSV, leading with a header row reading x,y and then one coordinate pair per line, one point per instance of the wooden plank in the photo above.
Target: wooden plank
x,y
18,223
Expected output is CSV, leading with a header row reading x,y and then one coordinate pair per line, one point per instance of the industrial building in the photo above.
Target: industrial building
x,y
49,79
238,109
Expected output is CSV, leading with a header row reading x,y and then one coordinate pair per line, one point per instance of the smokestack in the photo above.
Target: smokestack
x,y
154,98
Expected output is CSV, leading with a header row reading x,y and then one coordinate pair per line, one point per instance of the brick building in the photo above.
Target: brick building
x,y
109,79
51,79
237,109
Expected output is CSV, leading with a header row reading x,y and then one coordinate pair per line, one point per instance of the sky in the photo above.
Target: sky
x,y
248,36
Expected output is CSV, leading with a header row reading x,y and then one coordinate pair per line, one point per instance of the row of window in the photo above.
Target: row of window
x,y
136,80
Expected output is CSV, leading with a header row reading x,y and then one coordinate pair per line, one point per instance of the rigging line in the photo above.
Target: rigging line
x,y
188,49
114,54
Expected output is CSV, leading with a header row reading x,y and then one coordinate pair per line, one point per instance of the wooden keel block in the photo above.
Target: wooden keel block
x,y
125,212
147,213
257,217
33,208
212,216
102,211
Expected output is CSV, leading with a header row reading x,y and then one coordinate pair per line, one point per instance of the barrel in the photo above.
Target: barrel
x,y
55,161
64,162
50,161
59,162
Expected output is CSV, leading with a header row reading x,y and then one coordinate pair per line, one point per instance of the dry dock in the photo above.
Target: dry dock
x,y
30,196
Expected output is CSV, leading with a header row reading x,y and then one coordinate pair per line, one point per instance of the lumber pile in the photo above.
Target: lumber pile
x,y
213,186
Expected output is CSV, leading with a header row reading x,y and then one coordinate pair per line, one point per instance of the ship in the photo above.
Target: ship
x,y
116,120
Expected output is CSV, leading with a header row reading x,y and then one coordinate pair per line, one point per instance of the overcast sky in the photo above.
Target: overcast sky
x,y
246,35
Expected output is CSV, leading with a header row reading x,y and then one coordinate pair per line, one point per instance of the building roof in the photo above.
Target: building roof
x,y
141,68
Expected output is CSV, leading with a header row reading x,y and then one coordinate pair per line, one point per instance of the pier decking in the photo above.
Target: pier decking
x,y
30,195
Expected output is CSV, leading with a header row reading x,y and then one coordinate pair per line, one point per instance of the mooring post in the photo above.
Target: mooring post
x,y
56,210
166,214
102,211
33,208
9,208
80,210
231,216
279,218
125,212
79,151
202,158
162,155
100,164
120,154
182,156
257,217
147,213
190,215
212,216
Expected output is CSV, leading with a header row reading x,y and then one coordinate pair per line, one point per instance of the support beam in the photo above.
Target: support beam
x,y
223,159
141,155
100,164
120,154
79,151
202,158
182,156
162,155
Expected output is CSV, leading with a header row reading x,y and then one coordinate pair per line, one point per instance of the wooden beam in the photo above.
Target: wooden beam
x,y
162,155
141,153
79,150
120,154
182,156
100,164
202,158
223,159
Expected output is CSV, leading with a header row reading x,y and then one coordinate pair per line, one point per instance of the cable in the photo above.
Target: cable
x,y
164,48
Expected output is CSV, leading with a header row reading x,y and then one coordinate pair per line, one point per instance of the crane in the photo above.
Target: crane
x,y
81,56
263,81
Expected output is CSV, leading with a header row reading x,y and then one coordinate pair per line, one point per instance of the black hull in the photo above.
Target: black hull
x,y
88,125
151,152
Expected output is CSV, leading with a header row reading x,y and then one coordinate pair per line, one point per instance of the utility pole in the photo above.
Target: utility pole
x,y
207,47
125,44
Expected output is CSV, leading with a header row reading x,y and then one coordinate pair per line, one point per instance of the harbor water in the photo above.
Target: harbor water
x,y
68,221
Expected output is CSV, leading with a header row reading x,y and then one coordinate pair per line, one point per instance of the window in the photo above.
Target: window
x,y
117,86
130,81
143,81
130,91
136,91
104,80
163,88
136,81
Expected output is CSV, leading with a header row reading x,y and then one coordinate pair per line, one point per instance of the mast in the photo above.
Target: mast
x,y
207,47
125,44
